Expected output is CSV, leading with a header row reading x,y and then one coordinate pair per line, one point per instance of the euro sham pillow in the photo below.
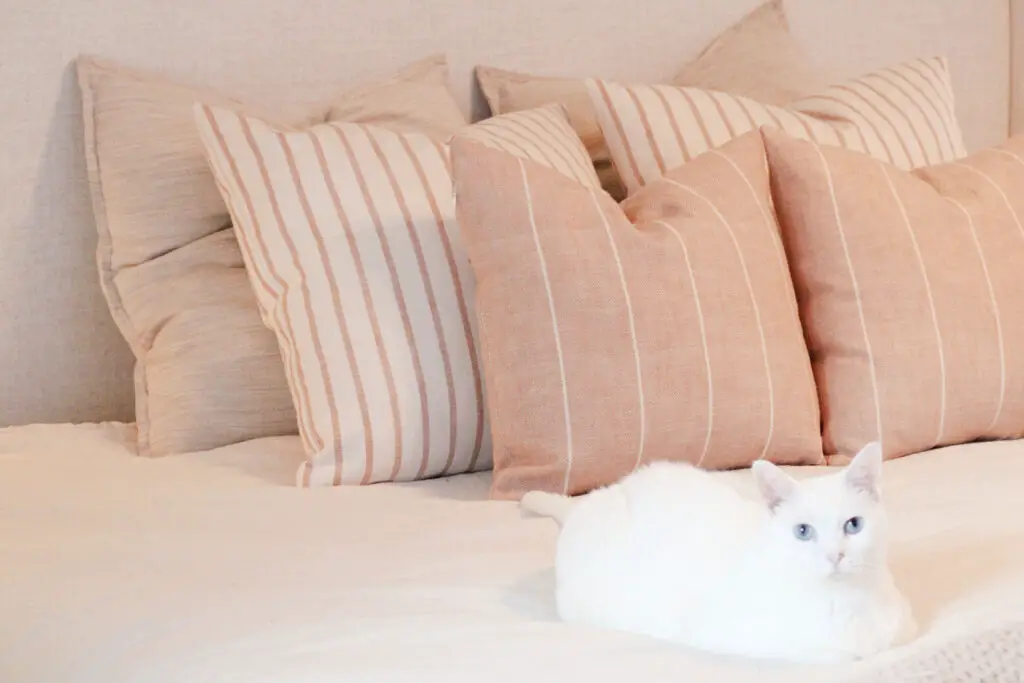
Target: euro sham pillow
x,y
757,57
905,114
909,286
614,336
349,237
208,372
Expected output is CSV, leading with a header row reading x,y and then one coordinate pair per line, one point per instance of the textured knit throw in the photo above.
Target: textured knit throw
x,y
990,656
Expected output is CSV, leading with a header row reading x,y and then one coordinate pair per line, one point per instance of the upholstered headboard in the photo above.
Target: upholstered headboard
x,y
61,358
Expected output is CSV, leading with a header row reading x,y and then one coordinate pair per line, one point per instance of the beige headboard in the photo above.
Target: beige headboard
x,y
61,358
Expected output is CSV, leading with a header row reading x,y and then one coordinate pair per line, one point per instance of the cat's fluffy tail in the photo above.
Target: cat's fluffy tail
x,y
547,504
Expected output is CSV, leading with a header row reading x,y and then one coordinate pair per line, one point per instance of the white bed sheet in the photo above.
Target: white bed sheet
x,y
211,567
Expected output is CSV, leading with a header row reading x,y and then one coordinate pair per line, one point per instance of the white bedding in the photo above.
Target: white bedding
x,y
211,567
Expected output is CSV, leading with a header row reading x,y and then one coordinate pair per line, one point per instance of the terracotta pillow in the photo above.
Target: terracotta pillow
x,y
350,241
904,114
910,291
757,57
664,329
207,372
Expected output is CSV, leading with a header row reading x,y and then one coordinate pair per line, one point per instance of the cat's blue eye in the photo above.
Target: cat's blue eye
x,y
853,526
803,532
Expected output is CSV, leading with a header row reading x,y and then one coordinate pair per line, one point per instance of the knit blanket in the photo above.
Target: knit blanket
x,y
992,656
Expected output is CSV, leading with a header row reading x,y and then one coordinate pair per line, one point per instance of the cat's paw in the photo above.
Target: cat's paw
x,y
904,625
908,631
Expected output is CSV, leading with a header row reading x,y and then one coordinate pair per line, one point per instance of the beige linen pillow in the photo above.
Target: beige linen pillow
x,y
350,240
904,114
910,292
208,372
757,57
613,336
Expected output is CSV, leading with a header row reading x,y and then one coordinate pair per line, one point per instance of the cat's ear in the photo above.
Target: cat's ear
x,y
776,486
864,473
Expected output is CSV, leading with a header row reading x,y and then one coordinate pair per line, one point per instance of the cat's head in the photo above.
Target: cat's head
x,y
831,526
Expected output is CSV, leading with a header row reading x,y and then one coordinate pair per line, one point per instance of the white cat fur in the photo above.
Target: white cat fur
x,y
673,552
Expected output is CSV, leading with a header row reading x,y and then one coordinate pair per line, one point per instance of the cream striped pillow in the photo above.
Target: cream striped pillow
x,y
904,115
349,237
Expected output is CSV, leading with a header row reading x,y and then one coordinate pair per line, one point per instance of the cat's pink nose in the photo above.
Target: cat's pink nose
x,y
836,558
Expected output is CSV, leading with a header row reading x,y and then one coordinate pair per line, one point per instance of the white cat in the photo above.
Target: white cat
x,y
673,552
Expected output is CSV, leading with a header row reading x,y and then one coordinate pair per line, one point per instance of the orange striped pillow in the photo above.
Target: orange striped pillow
x,y
664,329
904,115
349,238
910,289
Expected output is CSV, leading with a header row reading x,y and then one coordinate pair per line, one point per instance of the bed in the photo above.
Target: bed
x,y
211,565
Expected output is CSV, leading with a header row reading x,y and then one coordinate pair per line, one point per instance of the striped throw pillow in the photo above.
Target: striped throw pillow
x,y
910,288
610,332
904,115
349,238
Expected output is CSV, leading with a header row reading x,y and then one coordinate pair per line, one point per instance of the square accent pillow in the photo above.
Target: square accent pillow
x,y
614,336
349,237
909,286
208,372
904,114
757,57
